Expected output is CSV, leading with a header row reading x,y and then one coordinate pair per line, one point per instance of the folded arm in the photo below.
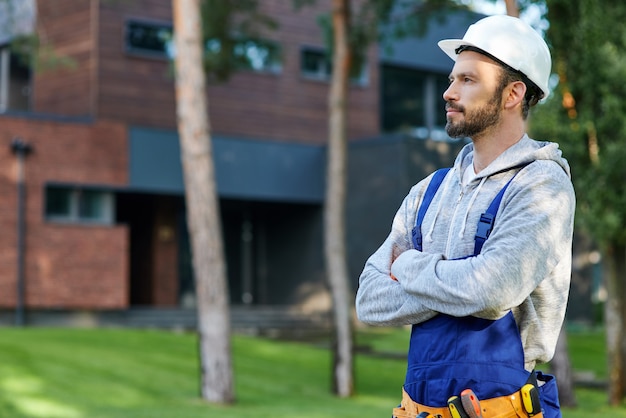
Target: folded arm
x,y
532,234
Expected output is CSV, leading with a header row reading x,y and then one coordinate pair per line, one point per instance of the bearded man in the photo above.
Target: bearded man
x,y
478,259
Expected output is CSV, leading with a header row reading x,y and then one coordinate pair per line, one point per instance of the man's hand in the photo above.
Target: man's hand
x,y
395,253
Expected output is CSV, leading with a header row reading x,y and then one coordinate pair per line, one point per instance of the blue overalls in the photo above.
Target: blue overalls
x,y
449,354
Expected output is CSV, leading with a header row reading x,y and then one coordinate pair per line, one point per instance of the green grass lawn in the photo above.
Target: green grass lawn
x,y
94,373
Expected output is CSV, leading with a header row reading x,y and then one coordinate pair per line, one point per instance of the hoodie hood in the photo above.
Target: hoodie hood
x,y
525,151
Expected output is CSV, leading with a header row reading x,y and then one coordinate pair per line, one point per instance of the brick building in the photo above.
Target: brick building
x,y
104,221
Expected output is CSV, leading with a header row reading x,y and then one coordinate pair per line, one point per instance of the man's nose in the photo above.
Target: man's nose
x,y
450,93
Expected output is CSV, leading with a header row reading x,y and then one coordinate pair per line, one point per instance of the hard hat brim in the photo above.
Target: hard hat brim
x,y
449,46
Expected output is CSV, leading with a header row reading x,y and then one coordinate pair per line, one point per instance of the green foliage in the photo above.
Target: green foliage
x,y
40,57
411,18
363,30
15,22
230,28
383,21
589,59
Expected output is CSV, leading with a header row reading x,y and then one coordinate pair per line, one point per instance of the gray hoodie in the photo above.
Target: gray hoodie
x,y
524,266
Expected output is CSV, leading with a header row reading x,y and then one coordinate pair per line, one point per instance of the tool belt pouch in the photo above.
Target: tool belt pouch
x,y
549,395
410,409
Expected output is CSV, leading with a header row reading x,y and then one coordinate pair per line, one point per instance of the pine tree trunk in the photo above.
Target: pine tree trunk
x,y
615,312
562,370
512,8
334,222
203,217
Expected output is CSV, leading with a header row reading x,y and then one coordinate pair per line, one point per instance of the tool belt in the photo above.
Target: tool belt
x,y
509,406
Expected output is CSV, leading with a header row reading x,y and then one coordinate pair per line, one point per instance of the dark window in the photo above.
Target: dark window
x,y
58,202
412,100
149,38
93,205
403,99
77,205
315,64
15,79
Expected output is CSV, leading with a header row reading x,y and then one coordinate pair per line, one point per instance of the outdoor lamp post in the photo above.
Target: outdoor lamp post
x,y
21,149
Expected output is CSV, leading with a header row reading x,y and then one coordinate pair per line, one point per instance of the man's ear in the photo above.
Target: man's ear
x,y
514,94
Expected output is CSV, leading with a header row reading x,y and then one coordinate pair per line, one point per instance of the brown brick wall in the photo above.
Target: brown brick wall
x,y
284,107
107,82
287,106
66,266
66,30
133,88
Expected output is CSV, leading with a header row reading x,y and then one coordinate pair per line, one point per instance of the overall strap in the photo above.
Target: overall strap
x,y
485,223
487,219
431,190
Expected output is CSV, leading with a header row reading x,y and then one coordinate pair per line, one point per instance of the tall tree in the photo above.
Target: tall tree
x,y
585,114
348,37
334,225
206,33
203,216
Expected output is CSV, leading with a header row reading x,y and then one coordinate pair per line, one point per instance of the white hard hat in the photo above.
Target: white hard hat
x,y
511,41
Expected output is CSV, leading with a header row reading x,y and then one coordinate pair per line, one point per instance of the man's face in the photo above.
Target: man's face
x,y
473,99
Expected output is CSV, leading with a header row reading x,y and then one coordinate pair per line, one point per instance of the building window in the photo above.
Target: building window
x,y
149,38
157,39
412,102
15,80
79,205
316,64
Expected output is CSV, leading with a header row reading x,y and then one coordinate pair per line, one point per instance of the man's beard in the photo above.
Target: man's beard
x,y
476,121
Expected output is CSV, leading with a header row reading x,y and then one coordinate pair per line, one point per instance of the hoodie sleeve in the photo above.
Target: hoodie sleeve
x,y
380,300
531,240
